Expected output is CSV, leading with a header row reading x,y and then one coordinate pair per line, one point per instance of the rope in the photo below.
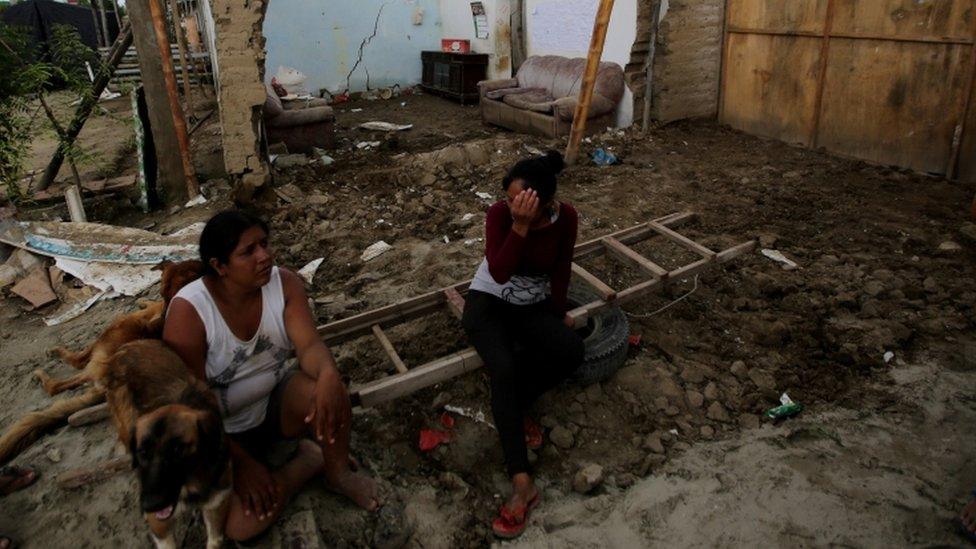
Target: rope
x,y
668,306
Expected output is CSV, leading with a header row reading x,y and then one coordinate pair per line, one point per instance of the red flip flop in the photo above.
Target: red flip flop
x,y
511,524
533,434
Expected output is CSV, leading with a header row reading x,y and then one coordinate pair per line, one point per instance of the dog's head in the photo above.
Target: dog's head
x,y
176,275
173,448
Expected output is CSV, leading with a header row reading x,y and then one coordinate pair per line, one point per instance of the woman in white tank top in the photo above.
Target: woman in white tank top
x,y
245,327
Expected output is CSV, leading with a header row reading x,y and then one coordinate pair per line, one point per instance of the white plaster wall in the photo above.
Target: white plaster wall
x,y
457,22
564,27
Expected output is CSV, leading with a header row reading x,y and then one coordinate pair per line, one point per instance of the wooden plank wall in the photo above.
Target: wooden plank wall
x,y
882,80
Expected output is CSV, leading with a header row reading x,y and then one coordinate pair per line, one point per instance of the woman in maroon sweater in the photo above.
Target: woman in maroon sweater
x,y
515,316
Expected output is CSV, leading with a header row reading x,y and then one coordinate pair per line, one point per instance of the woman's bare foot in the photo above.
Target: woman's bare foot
x,y
524,492
13,478
356,486
968,516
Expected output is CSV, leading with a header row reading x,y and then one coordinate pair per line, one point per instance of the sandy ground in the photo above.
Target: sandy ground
x,y
877,458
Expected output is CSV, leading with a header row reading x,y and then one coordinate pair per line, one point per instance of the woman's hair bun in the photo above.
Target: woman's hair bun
x,y
555,161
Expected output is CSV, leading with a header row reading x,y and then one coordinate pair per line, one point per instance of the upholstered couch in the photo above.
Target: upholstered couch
x,y
541,99
301,124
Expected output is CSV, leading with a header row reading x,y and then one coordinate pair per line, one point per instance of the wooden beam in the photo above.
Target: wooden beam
x,y
454,302
91,414
628,255
77,478
389,350
589,80
443,369
822,74
181,43
169,78
724,59
171,177
605,291
682,240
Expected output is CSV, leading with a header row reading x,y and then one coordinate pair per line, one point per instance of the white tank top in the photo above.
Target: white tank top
x,y
243,373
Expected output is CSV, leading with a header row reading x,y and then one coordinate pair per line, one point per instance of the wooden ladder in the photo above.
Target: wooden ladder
x,y
408,380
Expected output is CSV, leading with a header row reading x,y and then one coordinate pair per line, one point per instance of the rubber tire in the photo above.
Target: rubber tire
x,y
606,344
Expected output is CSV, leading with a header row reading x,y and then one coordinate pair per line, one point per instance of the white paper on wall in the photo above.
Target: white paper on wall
x,y
562,26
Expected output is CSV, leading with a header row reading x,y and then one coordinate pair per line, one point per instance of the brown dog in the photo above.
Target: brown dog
x,y
170,422
145,323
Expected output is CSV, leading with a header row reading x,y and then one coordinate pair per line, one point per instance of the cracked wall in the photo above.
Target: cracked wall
x,y
239,54
322,39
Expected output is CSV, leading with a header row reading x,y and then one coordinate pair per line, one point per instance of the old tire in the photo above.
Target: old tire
x,y
604,337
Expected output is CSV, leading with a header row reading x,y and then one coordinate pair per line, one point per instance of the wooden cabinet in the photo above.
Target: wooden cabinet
x,y
454,75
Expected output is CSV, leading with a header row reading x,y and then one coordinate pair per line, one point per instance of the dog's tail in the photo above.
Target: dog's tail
x,y
78,359
29,428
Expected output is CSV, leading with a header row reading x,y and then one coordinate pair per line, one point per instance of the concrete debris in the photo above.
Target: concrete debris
x,y
778,257
588,478
17,265
562,437
308,271
367,145
285,161
384,126
949,246
196,201
36,288
375,250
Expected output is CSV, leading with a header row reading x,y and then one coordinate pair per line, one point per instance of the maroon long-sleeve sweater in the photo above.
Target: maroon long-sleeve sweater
x,y
545,251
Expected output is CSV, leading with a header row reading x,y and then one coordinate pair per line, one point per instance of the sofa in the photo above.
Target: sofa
x,y
300,125
541,99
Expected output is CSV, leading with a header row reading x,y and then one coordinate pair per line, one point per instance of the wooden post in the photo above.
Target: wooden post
x,y
99,37
101,12
517,19
649,66
164,116
118,16
181,43
952,170
589,80
115,55
169,77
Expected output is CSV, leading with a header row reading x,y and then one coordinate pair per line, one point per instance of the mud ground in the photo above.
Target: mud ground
x,y
878,457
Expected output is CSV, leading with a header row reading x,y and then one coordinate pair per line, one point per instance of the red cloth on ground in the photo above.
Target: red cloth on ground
x,y
545,251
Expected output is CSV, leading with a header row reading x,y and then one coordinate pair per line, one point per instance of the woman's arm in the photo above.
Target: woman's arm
x,y
185,334
506,227
331,407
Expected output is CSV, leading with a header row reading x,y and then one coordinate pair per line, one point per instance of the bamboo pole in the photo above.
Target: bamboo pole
x,y
589,79
169,77
101,13
181,43
99,37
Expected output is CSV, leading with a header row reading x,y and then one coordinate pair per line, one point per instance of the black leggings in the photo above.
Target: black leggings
x,y
527,351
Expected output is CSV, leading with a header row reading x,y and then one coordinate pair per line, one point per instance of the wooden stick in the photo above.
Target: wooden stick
x,y
388,348
605,291
169,77
118,16
454,302
628,255
88,102
92,414
589,80
682,240
446,368
181,43
724,70
76,478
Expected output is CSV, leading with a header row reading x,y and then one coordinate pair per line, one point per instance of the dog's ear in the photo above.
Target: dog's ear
x,y
161,266
133,447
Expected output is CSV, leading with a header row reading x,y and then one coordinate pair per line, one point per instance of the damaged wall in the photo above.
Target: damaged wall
x,y
351,45
240,55
688,59
564,27
457,22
